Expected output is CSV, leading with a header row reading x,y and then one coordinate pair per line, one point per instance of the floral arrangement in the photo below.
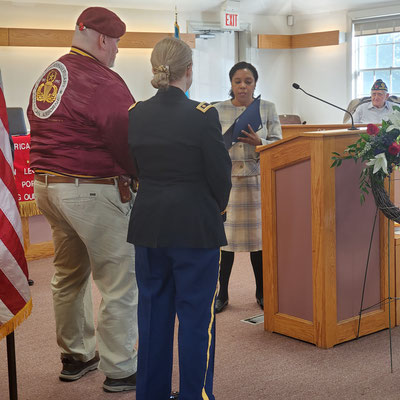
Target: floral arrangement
x,y
379,148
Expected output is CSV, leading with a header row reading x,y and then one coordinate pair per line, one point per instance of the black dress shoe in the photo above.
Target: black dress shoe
x,y
260,302
220,305
174,396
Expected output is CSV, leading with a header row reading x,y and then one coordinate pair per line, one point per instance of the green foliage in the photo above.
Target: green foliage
x,y
378,150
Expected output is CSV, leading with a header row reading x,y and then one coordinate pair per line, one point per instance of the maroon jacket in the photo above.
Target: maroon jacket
x,y
78,112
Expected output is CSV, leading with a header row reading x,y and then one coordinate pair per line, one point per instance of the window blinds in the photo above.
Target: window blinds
x,y
375,26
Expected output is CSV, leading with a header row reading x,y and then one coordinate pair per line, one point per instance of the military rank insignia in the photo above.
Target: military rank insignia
x,y
49,89
204,107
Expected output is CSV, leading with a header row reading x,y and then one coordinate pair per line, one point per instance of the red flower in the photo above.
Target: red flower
x,y
394,149
372,129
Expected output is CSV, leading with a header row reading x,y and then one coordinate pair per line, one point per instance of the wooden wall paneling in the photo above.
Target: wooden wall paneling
x,y
40,37
3,37
189,39
63,38
274,41
315,39
147,40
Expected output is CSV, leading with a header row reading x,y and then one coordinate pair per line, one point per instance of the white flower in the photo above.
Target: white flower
x,y
379,162
394,118
366,149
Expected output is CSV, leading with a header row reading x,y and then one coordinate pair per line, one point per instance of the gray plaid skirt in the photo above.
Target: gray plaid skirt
x,y
243,215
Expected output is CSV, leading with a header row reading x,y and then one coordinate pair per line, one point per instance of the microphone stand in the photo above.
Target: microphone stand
x,y
353,128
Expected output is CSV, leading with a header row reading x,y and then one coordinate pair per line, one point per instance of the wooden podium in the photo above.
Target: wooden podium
x,y
295,129
316,236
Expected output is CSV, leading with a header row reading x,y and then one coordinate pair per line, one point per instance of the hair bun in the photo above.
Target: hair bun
x,y
162,69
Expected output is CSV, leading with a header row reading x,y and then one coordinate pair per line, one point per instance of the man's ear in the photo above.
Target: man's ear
x,y
102,40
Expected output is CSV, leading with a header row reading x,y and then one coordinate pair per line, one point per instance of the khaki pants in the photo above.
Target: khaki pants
x,y
90,225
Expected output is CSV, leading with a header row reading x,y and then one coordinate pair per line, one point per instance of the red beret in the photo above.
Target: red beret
x,y
101,20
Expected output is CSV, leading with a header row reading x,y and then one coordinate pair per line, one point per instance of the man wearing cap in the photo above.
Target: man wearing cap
x,y
376,110
78,112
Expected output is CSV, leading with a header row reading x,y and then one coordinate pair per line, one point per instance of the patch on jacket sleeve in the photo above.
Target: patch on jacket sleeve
x,y
49,89
133,105
204,107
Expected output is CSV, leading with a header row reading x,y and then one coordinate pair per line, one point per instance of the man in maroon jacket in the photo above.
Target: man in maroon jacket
x,y
78,114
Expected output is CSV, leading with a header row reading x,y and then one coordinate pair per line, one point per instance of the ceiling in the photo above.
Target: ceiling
x,y
264,7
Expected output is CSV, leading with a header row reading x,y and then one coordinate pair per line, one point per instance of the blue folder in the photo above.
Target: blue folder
x,y
250,116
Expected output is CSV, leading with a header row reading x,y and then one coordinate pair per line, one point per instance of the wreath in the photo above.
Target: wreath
x,y
379,150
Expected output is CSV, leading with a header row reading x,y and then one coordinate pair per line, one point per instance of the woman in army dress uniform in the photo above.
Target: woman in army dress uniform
x,y
184,174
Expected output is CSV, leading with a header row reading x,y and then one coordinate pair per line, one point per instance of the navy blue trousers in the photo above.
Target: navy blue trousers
x,y
182,282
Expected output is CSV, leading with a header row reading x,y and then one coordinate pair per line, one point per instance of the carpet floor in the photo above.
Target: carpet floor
x,y
250,363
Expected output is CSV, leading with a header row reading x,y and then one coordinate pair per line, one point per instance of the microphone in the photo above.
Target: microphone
x,y
353,128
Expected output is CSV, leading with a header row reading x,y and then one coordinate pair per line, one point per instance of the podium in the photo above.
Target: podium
x,y
316,236
295,129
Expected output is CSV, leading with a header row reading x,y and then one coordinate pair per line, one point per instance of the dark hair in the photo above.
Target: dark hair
x,y
242,65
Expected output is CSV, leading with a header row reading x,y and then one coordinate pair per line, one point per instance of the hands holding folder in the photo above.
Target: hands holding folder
x,y
250,122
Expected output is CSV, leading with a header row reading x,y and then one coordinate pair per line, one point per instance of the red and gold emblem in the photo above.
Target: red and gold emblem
x,y
48,91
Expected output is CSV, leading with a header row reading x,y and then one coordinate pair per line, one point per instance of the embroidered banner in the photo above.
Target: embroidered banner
x,y
24,176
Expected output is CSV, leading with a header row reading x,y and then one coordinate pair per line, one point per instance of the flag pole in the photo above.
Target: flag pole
x,y
176,26
12,367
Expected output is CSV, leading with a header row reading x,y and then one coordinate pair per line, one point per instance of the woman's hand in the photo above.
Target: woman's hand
x,y
251,137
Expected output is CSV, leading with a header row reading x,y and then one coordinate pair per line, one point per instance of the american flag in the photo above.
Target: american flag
x,y
15,297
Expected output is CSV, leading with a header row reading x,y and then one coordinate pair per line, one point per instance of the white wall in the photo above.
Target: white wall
x,y
321,71
212,60
274,66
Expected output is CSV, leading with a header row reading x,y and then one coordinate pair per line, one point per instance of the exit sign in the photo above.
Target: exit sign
x,y
230,16
231,20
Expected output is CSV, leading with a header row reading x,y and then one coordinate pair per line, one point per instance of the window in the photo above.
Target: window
x,y
376,44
